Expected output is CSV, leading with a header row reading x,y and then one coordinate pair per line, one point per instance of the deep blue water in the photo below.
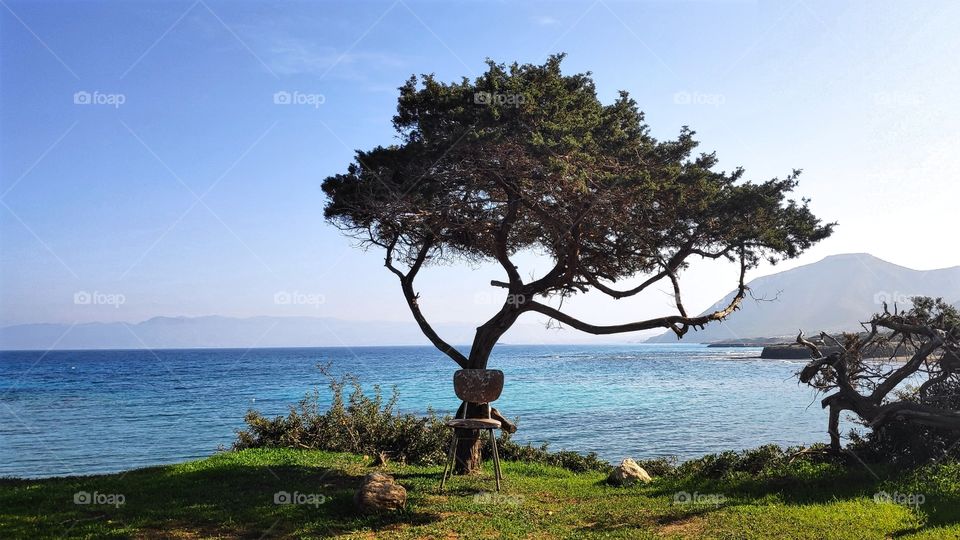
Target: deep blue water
x,y
81,412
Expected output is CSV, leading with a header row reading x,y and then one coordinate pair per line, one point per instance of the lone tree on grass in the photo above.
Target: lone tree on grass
x,y
525,158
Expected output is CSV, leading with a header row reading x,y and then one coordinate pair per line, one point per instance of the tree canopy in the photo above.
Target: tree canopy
x,y
525,158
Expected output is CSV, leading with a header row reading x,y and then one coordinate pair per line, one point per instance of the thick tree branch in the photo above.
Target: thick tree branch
x,y
406,284
814,350
917,413
680,324
502,238
677,296
669,269
622,294
907,369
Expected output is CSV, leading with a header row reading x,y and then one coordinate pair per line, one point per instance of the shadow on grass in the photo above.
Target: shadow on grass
x,y
229,501
680,519
789,489
820,487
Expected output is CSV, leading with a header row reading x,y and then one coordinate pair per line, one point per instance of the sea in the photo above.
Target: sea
x,y
101,411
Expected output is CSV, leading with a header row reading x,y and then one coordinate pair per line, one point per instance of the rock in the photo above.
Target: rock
x,y
380,492
628,473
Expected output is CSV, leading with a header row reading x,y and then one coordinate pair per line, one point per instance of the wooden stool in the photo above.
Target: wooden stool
x,y
479,387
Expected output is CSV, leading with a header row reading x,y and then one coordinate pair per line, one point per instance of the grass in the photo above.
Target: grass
x,y
231,495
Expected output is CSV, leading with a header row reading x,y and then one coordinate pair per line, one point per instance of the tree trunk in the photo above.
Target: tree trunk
x,y
834,429
467,457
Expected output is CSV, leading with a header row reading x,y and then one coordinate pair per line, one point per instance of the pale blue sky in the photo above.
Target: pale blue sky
x,y
104,197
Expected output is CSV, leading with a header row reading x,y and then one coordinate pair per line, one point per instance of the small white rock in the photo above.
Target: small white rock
x,y
628,473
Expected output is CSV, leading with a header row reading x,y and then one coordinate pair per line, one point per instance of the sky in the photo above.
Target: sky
x,y
151,166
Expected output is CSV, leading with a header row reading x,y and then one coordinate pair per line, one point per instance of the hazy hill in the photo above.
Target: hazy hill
x,y
830,295
226,332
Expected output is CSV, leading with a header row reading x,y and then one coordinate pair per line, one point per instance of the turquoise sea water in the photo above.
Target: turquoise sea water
x,y
82,412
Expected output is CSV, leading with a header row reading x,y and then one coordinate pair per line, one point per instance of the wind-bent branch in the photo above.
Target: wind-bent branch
x,y
609,291
679,324
502,239
406,284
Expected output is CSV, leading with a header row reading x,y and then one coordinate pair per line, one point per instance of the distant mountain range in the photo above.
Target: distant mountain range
x,y
231,332
831,295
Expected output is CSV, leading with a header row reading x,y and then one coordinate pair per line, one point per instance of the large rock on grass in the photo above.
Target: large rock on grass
x,y
380,493
628,473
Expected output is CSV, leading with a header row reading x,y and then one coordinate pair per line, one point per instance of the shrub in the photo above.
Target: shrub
x,y
357,423
906,445
936,479
576,462
362,424
765,461
663,466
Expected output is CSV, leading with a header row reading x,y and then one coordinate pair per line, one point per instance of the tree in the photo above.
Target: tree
x,y
928,335
525,158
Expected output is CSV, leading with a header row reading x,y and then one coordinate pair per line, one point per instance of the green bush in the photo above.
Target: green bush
x,y
936,479
765,461
369,425
355,423
663,466
567,459
365,424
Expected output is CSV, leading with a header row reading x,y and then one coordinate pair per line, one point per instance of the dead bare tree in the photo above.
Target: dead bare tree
x,y
922,347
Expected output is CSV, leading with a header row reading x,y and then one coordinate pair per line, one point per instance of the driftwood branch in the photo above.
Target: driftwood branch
x,y
814,350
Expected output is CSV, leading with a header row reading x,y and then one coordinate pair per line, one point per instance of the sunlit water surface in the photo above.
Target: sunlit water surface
x,y
82,412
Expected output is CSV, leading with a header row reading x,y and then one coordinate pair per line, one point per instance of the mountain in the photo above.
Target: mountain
x,y
231,332
831,295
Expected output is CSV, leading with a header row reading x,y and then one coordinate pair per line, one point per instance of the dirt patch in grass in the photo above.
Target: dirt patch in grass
x,y
185,532
687,527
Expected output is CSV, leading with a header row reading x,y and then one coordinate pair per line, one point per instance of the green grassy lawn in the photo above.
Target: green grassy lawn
x,y
231,495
